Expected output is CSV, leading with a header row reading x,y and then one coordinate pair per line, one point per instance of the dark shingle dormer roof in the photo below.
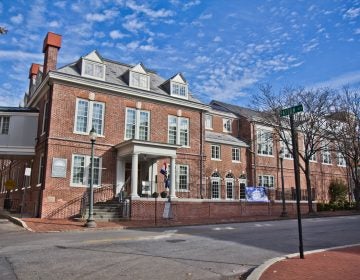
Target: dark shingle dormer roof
x,y
250,114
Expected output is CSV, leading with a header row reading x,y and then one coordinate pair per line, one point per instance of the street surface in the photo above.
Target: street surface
x,y
193,252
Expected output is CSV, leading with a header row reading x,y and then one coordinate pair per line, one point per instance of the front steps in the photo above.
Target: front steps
x,y
109,211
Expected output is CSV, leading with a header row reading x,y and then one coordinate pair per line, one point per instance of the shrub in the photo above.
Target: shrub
x,y
337,191
163,194
155,195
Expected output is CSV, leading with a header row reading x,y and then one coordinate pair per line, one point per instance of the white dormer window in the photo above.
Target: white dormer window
x,y
178,89
139,80
92,66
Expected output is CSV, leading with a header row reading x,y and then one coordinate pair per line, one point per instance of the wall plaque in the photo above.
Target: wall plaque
x,y
59,167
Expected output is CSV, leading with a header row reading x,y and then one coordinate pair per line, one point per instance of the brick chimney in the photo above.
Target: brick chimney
x,y
33,72
52,44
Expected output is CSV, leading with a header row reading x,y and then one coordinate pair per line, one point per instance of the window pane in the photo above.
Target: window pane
x,y
139,80
184,129
172,129
89,68
265,142
229,189
99,71
4,124
144,126
96,171
183,177
208,121
215,190
78,169
130,123
82,116
97,118
236,154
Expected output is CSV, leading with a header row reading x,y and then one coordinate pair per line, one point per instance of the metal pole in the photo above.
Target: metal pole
x,y
90,223
283,213
24,193
297,183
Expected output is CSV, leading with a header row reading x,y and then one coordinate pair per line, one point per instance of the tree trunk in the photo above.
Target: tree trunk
x,y
308,185
357,196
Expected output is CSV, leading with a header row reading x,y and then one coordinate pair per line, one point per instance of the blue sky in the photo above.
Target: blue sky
x,y
225,49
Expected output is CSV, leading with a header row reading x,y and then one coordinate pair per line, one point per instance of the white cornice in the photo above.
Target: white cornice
x,y
100,85
38,92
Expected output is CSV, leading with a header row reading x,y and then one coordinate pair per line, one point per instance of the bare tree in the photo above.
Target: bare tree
x,y
3,30
345,130
310,123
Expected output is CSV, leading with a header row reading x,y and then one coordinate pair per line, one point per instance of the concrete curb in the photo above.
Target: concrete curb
x,y
257,272
17,221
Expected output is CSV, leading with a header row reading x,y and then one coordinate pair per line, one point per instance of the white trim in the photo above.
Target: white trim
x,y
178,177
131,84
137,123
86,171
89,117
94,63
211,152
186,96
44,117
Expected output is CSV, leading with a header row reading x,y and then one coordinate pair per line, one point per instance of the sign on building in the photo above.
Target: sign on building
x,y
59,167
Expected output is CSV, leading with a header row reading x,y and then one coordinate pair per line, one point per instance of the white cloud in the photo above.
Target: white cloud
x,y
17,19
352,13
133,25
133,45
357,31
148,48
54,24
60,4
19,55
217,39
202,59
205,16
149,12
107,15
191,3
350,78
309,46
116,34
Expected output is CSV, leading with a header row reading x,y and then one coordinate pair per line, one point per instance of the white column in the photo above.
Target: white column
x,y
120,175
134,175
172,178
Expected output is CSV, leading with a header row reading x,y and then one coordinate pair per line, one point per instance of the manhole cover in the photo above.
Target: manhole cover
x,y
175,240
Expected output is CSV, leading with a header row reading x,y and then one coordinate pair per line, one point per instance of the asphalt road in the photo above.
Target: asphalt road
x,y
195,252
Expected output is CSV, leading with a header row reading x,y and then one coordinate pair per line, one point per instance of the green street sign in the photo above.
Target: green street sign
x,y
291,110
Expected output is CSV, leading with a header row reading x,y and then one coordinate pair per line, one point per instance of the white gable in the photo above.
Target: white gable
x,y
139,69
178,79
93,56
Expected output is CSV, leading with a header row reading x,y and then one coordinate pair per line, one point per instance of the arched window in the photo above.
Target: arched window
x,y
215,185
229,183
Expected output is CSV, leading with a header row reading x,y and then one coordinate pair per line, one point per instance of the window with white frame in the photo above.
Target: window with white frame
x,y
93,69
229,183
45,116
81,173
227,125
178,130
179,89
41,169
208,122
313,157
326,155
235,154
286,146
215,152
340,159
215,186
182,177
266,181
89,114
139,80
264,142
4,124
137,124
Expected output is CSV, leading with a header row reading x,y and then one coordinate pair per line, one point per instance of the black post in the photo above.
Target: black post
x,y
297,182
283,213
90,223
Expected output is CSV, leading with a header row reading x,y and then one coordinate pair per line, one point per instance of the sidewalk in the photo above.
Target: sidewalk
x,y
332,264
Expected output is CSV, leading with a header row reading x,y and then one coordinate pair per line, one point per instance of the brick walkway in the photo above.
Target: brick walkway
x,y
328,265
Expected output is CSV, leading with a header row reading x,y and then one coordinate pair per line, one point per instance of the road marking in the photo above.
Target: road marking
x,y
223,228
138,238
263,225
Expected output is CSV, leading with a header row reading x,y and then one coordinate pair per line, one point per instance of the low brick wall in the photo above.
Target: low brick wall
x,y
197,210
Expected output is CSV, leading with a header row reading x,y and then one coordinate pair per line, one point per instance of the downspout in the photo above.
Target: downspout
x,y
201,153
41,192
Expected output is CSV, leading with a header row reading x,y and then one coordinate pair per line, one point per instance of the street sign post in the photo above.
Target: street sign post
x,y
290,112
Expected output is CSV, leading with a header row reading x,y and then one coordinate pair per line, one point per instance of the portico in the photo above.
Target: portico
x,y
143,155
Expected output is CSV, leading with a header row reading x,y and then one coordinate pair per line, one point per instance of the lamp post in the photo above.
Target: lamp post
x,y
90,223
283,213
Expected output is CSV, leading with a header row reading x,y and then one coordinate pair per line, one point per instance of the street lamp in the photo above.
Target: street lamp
x,y
90,223
281,157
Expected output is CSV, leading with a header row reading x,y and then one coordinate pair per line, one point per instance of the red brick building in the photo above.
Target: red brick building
x,y
146,126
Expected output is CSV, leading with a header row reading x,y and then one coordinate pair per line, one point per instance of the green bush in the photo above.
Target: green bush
x,y
337,191
155,195
163,194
